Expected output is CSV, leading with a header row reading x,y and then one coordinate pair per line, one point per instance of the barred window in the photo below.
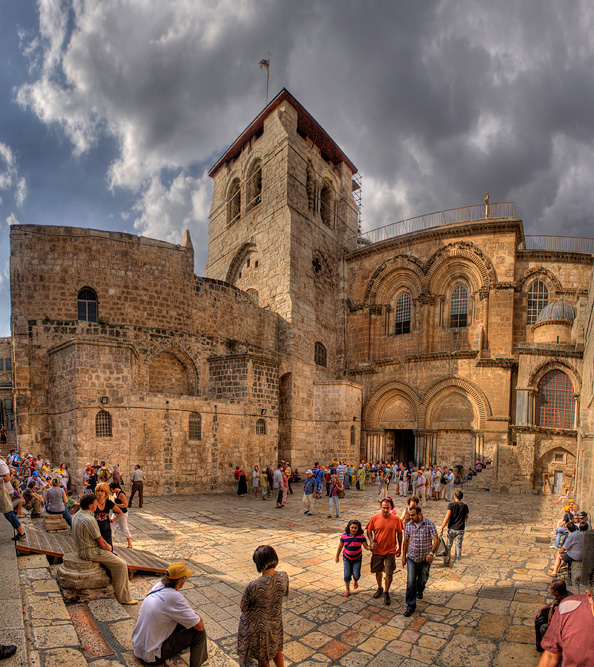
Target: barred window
x,y
320,356
402,320
254,185
195,426
234,201
87,305
555,403
538,298
260,427
459,307
327,205
103,424
353,436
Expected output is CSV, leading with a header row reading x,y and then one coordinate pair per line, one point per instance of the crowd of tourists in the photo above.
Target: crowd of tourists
x,y
31,485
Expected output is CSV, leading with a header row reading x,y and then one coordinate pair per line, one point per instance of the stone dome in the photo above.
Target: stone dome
x,y
555,312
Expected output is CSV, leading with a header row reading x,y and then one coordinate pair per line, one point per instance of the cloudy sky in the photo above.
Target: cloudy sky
x,y
112,111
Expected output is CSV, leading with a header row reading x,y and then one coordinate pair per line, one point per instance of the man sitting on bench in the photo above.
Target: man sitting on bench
x,y
91,546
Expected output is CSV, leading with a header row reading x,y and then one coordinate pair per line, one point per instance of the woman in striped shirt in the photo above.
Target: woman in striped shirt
x,y
353,542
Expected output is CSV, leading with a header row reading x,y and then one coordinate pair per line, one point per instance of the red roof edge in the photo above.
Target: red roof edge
x,y
306,123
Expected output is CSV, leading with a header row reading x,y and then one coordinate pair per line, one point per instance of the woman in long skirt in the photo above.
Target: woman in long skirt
x,y
260,634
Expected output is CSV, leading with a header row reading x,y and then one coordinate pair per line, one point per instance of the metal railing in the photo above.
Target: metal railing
x,y
505,210
559,243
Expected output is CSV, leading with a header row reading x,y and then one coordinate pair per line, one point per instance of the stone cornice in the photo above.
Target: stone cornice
x,y
497,363
570,432
556,256
368,370
549,351
474,228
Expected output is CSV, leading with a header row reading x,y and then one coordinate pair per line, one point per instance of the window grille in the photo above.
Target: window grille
x,y
555,403
87,305
103,425
8,364
459,307
260,427
234,202
402,319
320,356
538,298
195,426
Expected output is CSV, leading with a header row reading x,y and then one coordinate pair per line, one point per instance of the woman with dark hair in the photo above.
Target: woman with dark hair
x,y
260,635
242,486
121,501
353,542
55,501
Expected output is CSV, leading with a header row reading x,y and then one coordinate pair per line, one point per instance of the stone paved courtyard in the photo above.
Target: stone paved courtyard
x,y
479,614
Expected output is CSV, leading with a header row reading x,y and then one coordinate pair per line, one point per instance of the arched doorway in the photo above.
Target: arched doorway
x,y
452,427
391,420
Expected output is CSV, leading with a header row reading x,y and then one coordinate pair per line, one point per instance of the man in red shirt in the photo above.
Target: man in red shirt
x,y
570,637
384,532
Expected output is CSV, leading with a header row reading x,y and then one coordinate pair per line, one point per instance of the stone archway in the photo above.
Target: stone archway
x,y
554,470
391,423
452,423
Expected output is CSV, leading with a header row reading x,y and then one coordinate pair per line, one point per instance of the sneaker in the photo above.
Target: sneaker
x,y
409,611
305,512
329,516
387,598
378,593
18,537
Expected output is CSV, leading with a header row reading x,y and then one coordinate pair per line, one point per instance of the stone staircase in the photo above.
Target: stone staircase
x,y
483,480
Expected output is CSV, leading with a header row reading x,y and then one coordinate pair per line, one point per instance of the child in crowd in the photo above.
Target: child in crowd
x,y
353,542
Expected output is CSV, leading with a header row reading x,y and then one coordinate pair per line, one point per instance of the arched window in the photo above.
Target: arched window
x,y
309,188
402,319
195,426
327,205
555,403
320,356
260,427
459,307
254,185
353,436
538,298
87,305
103,424
234,201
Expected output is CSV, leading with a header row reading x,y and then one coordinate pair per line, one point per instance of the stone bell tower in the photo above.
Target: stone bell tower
x,y
282,218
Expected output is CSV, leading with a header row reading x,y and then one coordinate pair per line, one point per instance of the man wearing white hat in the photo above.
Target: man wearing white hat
x,y
166,623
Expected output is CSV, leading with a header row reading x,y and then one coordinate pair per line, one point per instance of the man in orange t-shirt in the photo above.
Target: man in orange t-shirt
x,y
384,532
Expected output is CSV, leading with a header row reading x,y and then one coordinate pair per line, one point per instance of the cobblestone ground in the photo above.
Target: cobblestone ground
x,y
479,614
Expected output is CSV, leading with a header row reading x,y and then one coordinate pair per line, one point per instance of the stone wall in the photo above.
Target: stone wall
x,y
150,377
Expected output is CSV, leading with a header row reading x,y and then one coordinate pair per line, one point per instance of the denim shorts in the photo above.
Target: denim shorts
x,y
352,568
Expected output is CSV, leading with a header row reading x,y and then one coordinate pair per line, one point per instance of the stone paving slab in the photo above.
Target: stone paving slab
x,y
479,613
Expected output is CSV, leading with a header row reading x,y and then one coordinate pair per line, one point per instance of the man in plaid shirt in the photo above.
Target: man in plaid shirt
x,y
418,551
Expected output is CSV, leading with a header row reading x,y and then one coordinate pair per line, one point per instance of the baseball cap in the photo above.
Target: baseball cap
x,y
309,471
178,570
36,474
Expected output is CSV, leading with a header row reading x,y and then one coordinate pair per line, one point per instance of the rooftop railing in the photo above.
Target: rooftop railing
x,y
505,210
559,243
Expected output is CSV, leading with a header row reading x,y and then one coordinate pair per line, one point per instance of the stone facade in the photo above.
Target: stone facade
x,y
302,343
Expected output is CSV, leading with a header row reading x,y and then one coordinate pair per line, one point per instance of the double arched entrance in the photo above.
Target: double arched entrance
x,y
442,426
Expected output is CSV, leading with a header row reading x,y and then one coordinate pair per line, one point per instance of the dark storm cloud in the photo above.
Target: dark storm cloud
x,y
436,102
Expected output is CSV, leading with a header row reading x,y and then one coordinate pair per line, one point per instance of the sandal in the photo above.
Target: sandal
x,y
346,594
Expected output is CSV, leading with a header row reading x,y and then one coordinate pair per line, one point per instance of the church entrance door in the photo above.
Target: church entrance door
x,y
404,445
